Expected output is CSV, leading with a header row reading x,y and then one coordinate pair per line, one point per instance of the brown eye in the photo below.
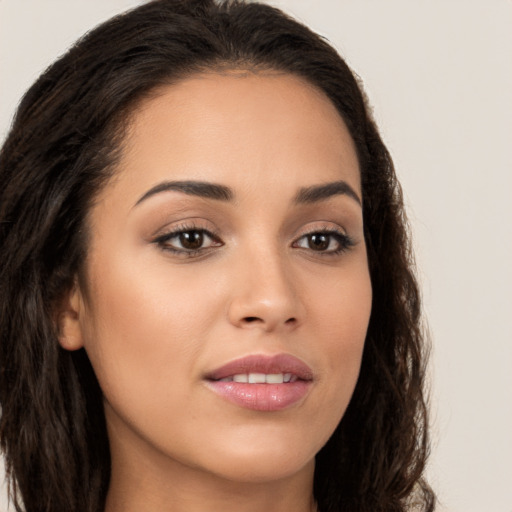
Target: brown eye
x,y
191,240
319,241
188,242
325,242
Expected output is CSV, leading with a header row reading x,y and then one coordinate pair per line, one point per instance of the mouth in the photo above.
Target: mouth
x,y
262,383
261,378
256,367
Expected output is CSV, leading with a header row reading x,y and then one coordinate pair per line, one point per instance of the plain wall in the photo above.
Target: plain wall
x,y
439,75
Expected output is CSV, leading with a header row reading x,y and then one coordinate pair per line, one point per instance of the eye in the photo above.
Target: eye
x,y
191,240
188,241
327,242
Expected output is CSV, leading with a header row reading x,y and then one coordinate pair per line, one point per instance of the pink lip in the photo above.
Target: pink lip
x,y
262,397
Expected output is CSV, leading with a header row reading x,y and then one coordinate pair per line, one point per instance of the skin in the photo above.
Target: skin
x,y
155,322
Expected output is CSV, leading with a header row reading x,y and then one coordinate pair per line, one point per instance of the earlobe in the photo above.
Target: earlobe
x,y
68,321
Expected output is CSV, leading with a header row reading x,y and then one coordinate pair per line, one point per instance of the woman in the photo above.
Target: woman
x,y
207,300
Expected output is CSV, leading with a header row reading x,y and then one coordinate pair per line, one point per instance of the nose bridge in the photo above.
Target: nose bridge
x,y
265,294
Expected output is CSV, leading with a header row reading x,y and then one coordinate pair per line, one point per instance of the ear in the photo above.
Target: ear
x,y
68,320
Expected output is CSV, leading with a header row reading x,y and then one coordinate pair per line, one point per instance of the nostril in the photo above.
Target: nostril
x,y
250,319
253,319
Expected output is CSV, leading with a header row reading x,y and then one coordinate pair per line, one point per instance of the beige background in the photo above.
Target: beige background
x,y
439,75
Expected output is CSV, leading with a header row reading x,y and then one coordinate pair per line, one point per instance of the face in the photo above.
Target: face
x,y
228,292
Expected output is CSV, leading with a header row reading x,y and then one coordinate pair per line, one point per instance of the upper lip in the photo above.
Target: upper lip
x,y
281,363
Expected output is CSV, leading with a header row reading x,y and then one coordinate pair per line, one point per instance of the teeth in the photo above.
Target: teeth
x,y
257,378
261,378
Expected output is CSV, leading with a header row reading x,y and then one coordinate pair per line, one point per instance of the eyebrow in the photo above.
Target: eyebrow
x,y
191,188
317,193
306,195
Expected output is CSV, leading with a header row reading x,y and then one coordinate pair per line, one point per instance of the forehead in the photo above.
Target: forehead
x,y
239,128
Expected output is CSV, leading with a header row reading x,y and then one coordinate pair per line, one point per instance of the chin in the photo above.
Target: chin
x,y
265,469
265,459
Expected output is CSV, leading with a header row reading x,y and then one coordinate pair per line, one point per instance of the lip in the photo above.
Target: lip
x,y
262,397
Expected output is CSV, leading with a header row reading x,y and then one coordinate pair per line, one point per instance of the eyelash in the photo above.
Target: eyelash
x,y
163,240
345,241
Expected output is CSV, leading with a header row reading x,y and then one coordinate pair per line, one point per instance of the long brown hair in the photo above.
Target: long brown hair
x,y
63,146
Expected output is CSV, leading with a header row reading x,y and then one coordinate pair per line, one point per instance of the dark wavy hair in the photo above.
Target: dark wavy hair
x,y
64,144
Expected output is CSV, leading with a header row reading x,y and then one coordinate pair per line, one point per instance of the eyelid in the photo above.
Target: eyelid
x,y
176,233
345,241
322,226
164,236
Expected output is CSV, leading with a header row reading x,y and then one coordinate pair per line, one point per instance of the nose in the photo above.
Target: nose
x,y
265,295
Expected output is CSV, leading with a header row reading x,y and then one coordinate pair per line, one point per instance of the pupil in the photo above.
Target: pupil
x,y
191,239
318,242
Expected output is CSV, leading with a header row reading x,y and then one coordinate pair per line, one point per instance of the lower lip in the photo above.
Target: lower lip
x,y
261,397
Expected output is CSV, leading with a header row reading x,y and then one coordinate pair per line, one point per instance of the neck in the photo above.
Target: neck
x,y
190,490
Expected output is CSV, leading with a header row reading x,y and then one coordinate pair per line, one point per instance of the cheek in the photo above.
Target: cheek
x,y
145,327
340,315
340,307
